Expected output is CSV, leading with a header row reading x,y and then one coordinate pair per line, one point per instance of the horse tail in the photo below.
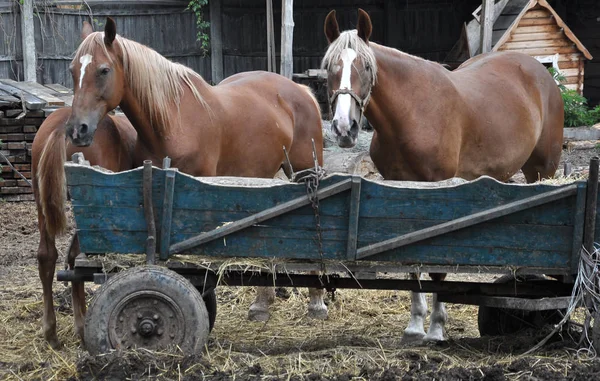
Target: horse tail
x,y
309,91
51,183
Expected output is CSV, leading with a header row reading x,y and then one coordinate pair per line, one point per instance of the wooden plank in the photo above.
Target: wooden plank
x,y
149,213
259,217
537,36
31,101
537,22
465,221
270,37
38,90
353,218
167,214
546,51
58,88
287,38
537,44
537,14
487,24
570,72
28,40
579,218
537,29
216,41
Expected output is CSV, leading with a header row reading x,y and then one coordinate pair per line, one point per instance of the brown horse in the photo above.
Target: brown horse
x,y
112,149
237,128
495,114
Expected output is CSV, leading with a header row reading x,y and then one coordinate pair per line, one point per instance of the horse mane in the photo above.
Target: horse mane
x,y
155,82
350,39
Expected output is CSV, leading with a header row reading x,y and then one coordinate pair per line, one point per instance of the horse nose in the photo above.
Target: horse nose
x,y
83,128
336,129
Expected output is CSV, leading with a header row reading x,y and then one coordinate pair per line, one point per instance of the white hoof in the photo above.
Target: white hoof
x,y
319,313
258,314
413,336
434,338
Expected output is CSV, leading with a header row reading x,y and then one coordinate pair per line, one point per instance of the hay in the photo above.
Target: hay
x,y
361,339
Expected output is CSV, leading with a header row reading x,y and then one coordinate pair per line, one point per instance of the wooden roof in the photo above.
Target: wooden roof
x,y
501,36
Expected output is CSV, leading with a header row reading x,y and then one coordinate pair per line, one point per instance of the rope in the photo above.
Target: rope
x,y
585,294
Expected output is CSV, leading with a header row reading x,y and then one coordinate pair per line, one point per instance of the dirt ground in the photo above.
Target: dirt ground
x,y
359,341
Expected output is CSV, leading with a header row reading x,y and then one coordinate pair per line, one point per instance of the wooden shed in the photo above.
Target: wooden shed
x,y
532,27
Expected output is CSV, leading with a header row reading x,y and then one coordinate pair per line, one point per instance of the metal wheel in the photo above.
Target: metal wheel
x,y
150,307
502,321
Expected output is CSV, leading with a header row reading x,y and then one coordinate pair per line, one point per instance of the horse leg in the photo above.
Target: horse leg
x,y
316,306
438,315
545,158
47,256
259,310
77,288
414,332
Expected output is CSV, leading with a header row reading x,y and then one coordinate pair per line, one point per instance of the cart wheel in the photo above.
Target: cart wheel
x,y
502,321
150,307
210,300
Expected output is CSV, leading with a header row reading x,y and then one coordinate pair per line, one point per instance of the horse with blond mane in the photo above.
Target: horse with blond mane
x,y
495,114
113,149
237,128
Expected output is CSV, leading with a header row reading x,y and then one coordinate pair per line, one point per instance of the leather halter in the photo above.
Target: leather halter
x,y
362,103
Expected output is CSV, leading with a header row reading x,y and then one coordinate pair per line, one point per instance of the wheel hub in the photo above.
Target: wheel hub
x,y
147,328
146,318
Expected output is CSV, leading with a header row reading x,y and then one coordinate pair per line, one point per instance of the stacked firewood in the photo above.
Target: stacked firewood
x,y
23,108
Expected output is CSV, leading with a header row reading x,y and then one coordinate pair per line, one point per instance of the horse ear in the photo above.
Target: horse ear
x,y
332,29
110,31
86,30
364,27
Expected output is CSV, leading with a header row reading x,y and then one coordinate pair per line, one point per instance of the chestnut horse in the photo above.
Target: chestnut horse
x,y
495,114
237,128
112,149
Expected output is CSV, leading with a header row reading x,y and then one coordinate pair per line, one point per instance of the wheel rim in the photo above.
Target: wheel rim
x,y
146,318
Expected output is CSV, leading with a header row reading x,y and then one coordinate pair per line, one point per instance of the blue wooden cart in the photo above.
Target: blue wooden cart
x,y
357,233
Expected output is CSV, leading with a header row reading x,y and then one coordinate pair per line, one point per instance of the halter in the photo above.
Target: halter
x,y
362,103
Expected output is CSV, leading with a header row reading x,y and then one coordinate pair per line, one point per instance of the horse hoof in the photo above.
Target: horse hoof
x,y
412,337
319,313
255,314
434,338
54,343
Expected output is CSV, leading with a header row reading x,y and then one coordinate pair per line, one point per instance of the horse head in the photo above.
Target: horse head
x,y
351,73
98,82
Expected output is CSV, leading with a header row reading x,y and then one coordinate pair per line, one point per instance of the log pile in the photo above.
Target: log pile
x,y
23,108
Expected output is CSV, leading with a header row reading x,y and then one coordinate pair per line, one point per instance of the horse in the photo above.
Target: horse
x,y
495,114
113,149
236,128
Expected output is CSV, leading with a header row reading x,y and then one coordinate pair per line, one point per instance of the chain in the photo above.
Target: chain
x,y
311,178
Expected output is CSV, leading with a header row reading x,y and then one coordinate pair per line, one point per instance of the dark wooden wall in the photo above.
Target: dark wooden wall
x,y
428,28
583,17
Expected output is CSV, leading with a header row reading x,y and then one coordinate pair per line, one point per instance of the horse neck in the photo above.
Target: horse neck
x,y
399,75
148,136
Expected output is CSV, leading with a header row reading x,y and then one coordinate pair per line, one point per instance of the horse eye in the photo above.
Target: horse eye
x,y
104,70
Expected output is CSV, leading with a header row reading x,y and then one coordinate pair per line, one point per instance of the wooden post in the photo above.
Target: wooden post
x,y
270,37
486,22
287,37
216,41
28,40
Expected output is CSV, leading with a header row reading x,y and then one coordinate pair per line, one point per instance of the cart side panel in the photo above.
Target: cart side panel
x,y
109,216
538,237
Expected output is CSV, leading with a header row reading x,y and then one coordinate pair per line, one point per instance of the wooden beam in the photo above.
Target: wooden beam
x,y
487,23
287,37
28,39
270,38
216,41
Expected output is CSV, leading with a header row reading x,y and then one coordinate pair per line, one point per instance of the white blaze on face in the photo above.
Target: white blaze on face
x,y
84,61
344,101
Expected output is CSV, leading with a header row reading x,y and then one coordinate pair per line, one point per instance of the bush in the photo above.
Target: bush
x,y
577,112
